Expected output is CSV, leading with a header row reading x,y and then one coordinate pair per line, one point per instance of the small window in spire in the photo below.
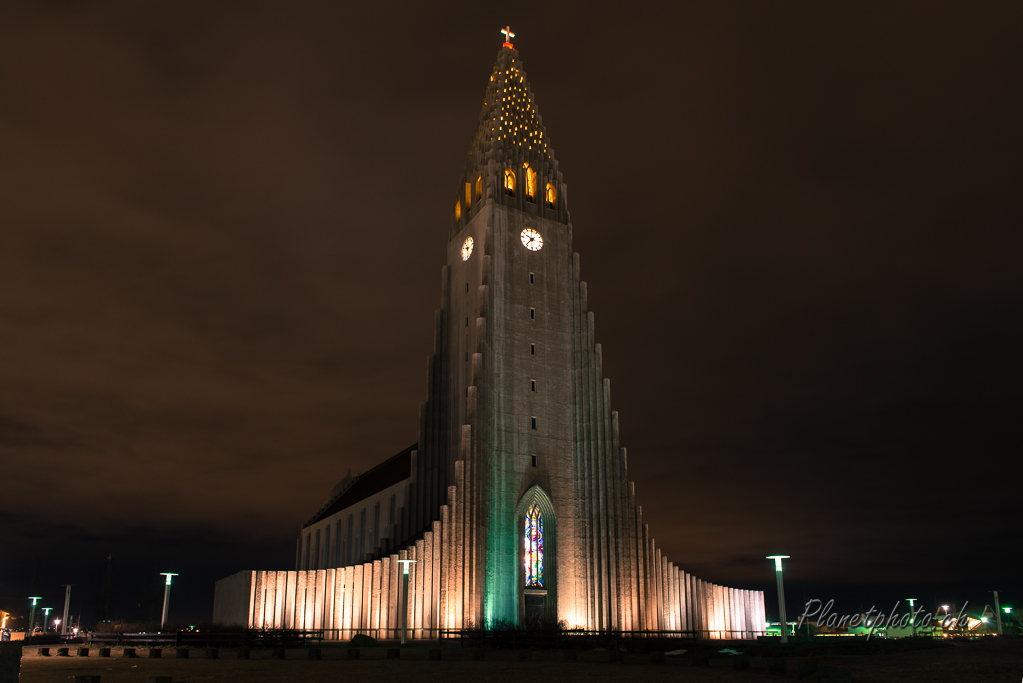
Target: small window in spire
x,y
479,188
509,182
458,211
530,183
552,196
468,195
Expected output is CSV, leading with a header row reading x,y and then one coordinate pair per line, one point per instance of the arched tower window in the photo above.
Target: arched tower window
x,y
533,538
479,188
530,183
552,196
509,182
458,211
468,195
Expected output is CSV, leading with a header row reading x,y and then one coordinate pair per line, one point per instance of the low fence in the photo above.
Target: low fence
x,y
252,638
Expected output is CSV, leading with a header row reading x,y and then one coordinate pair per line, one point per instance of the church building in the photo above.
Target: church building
x,y
515,504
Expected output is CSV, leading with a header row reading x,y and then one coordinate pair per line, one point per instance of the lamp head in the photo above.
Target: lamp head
x,y
168,575
35,600
777,561
405,564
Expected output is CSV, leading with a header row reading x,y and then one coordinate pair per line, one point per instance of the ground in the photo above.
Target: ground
x,y
982,661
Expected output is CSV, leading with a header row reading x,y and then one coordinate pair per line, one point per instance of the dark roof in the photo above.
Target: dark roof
x,y
388,473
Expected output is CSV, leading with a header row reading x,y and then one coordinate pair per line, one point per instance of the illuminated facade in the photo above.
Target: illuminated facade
x,y
515,504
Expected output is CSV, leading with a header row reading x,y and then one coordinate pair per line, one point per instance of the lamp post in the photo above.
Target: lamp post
x,y
46,616
166,597
781,595
912,616
998,613
67,603
32,616
403,605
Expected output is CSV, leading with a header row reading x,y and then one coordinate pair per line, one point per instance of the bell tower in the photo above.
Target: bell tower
x,y
506,350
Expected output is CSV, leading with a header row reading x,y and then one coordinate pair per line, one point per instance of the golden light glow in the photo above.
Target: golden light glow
x,y
479,188
552,196
458,211
468,195
532,239
530,183
509,181
467,249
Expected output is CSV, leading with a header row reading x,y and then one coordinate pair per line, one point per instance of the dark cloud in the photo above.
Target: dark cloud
x,y
223,226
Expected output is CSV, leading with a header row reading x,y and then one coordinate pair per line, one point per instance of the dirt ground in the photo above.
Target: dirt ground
x,y
980,661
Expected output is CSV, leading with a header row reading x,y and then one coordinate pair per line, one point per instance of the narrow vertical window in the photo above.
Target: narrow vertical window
x,y
458,211
466,321
530,183
468,195
534,548
533,422
534,461
532,349
532,385
467,287
466,356
509,182
552,196
532,314
532,279
479,188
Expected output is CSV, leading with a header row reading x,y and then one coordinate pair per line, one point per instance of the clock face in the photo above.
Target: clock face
x,y
467,249
531,239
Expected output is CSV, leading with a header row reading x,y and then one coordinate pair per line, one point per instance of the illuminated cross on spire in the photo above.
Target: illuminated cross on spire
x,y
508,35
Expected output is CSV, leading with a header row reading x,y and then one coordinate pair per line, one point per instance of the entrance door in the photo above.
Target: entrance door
x,y
536,607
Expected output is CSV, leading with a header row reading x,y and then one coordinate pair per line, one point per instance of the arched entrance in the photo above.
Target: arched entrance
x,y
537,526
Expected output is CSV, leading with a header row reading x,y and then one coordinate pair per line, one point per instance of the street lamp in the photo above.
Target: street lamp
x,y
32,616
67,603
403,607
912,615
781,595
166,597
46,616
998,613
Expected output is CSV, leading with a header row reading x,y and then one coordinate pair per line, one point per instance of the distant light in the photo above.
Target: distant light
x,y
1006,609
984,619
168,575
944,607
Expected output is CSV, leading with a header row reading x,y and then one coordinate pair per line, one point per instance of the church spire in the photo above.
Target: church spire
x,y
511,159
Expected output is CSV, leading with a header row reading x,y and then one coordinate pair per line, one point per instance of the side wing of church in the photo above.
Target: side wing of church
x,y
515,504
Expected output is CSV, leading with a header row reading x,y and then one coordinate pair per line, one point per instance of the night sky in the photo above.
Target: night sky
x,y
223,227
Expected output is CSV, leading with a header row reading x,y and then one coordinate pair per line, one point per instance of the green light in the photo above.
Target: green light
x,y
168,575
1006,609
34,601
777,561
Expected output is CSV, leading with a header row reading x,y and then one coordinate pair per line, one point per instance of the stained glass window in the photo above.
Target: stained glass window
x,y
534,548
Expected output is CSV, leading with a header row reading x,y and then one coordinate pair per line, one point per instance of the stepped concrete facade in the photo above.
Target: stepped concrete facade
x,y
515,504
